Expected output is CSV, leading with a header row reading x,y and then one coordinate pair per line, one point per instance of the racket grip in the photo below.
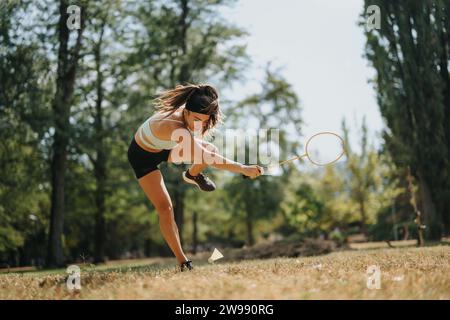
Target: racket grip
x,y
247,177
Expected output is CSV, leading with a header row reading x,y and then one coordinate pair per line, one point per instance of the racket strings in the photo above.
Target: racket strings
x,y
321,149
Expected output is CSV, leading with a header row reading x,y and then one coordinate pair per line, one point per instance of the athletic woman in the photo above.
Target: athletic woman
x,y
168,135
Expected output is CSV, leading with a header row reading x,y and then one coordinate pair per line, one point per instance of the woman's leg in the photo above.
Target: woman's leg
x,y
195,169
155,189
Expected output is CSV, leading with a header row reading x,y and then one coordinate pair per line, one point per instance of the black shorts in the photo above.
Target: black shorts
x,y
144,162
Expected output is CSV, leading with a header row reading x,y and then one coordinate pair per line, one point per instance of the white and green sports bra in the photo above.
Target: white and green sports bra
x,y
150,141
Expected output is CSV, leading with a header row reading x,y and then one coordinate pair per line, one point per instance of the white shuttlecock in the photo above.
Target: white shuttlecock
x,y
317,266
216,255
398,278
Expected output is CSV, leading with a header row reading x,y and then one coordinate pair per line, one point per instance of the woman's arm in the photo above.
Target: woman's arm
x,y
252,171
198,154
214,159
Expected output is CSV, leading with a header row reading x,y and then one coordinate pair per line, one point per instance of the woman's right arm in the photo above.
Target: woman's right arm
x,y
220,162
201,155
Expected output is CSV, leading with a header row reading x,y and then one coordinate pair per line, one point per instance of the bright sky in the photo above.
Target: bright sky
x,y
320,47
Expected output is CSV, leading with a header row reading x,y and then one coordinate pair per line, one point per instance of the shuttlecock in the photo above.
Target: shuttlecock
x,y
398,278
216,255
317,266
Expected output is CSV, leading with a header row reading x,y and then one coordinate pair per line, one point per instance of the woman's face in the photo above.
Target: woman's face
x,y
196,121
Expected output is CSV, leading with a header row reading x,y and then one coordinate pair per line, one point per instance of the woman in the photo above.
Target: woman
x,y
169,136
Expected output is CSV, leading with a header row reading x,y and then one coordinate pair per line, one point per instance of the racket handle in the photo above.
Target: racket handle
x,y
247,177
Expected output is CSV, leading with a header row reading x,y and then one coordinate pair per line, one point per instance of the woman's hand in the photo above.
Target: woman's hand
x,y
252,171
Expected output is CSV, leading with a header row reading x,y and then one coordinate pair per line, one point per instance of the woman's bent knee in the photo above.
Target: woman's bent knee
x,y
165,211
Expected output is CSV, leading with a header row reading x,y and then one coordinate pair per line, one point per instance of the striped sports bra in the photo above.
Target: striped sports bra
x,y
146,139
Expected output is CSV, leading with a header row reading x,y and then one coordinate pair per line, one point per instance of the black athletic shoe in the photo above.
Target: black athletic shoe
x,y
200,180
187,265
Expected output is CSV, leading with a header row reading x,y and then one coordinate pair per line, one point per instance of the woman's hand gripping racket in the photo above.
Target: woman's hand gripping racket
x,y
322,149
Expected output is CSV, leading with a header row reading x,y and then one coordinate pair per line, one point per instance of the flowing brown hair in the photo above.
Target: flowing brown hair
x,y
204,96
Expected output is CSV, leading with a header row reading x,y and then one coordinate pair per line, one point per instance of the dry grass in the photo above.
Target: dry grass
x,y
380,245
406,273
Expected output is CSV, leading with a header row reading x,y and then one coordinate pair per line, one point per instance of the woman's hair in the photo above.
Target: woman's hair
x,y
201,98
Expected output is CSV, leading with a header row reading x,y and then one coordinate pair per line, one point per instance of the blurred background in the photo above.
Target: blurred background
x,y
71,100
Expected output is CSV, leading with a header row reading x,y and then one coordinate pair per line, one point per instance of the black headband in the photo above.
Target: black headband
x,y
198,103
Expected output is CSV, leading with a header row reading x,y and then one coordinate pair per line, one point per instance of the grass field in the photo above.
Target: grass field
x,y
406,273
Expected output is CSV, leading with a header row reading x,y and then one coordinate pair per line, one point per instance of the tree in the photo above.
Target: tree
x,y
68,57
94,110
24,121
363,173
302,208
410,53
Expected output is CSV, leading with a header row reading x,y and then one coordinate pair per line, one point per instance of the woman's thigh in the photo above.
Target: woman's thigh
x,y
156,191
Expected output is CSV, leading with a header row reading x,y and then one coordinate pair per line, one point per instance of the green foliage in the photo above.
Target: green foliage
x,y
132,50
303,210
410,54
24,115
364,173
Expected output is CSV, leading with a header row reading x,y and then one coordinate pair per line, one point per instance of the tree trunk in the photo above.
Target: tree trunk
x,y
179,210
419,224
67,64
430,215
249,226
183,76
418,218
55,256
444,72
194,232
446,219
184,69
362,207
148,247
100,175
100,162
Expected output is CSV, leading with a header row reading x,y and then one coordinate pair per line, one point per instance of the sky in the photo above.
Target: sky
x,y
319,47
